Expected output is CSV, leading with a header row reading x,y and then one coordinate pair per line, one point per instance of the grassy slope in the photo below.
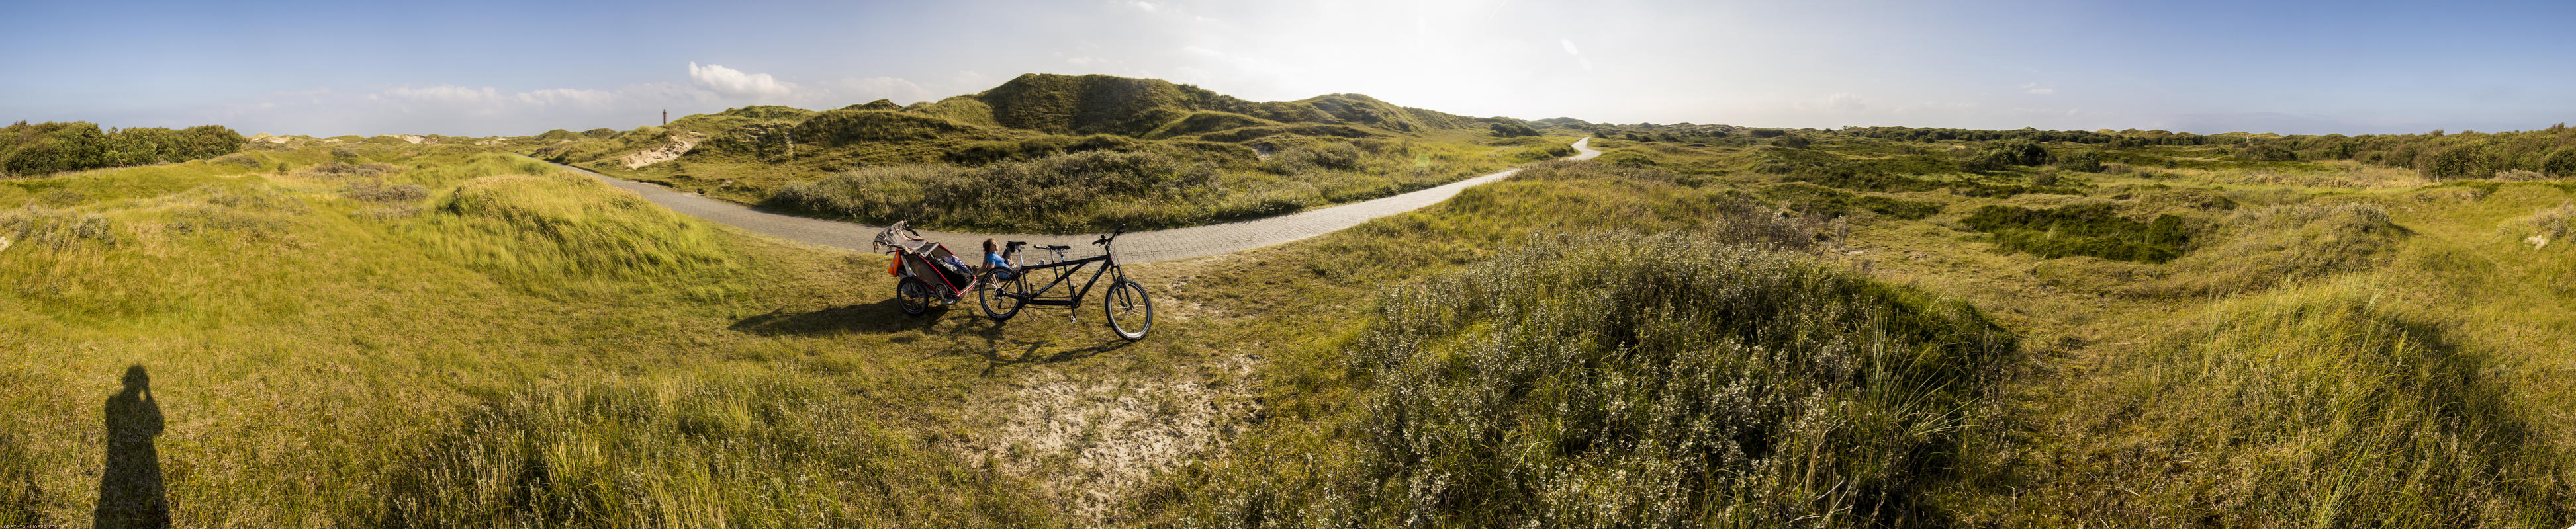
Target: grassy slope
x,y
608,377
871,164
318,358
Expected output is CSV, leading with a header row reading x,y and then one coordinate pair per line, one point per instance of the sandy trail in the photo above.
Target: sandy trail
x,y
1136,247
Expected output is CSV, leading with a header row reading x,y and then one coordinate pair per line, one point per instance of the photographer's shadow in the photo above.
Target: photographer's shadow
x,y
868,318
130,492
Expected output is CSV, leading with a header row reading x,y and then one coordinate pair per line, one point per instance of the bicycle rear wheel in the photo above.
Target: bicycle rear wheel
x,y
916,296
1129,311
1002,297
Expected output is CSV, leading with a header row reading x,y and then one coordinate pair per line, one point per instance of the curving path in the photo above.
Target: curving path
x,y
1136,247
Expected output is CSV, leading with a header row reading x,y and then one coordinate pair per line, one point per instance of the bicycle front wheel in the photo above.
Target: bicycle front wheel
x,y
1130,313
1002,297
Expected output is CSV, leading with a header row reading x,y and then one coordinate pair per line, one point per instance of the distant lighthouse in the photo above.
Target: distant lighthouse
x,y
666,116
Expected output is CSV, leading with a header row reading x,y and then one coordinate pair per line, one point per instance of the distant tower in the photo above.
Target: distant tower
x,y
666,116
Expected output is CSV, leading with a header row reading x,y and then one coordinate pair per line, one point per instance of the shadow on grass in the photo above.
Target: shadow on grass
x,y
873,318
998,350
130,492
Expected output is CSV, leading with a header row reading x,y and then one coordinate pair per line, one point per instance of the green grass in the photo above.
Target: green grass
x,y
2096,230
2304,408
1628,380
870,162
386,334
523,348
1154,185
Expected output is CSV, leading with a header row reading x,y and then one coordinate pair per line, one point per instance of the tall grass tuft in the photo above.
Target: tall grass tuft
x,y
2308,408
2543,228
2095,229
541,229
747,452
2282,244
1625,380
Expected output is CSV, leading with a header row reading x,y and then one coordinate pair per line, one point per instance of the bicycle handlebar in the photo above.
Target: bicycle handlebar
x,y
1104,239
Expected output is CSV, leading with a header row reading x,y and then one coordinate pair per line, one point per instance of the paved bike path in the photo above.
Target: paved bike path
x,y
1136,247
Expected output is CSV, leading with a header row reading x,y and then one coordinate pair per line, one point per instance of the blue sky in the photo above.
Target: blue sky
x,y
471,68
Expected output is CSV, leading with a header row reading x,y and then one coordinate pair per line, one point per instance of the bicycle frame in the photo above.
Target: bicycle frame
x,y
1066,270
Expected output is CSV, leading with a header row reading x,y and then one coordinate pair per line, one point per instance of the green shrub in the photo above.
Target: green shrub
x,y
1329,156
2560,164
2095,230
1624,380
846,127
1511,129
2456,162
56,229
47,148
1792,141
1627,158
379,191
1058,192
1543,152
2086,161
2519,175
2543,228
1814,199
2001,154
1987,161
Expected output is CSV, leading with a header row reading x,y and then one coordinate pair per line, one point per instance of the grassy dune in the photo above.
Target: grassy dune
x,y
1049,152
1725,334
522,347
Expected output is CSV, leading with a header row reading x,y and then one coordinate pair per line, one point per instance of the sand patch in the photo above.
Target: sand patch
x,y
1095,442
679,145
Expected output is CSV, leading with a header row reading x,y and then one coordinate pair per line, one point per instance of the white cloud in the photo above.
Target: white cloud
x,y
1141,4
1569,47
732,82
898,90
1845,102
463,110
2035,88
440,94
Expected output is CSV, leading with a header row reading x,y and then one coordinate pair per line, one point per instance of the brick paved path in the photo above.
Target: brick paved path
x,y
1137,247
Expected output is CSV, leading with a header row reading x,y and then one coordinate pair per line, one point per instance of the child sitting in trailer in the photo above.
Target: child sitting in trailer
x,y
994,260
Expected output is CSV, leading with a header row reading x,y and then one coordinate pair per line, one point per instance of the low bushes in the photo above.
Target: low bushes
x,y
379,191
1138,185
2312,409
2095,230
2278,244
1820,200
55,229
2543,228
1626,380
50,147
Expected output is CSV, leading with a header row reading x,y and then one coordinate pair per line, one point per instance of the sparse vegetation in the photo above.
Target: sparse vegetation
x,y
1109,182
2096,230
796,158
2312,408
1626,380
1704,327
